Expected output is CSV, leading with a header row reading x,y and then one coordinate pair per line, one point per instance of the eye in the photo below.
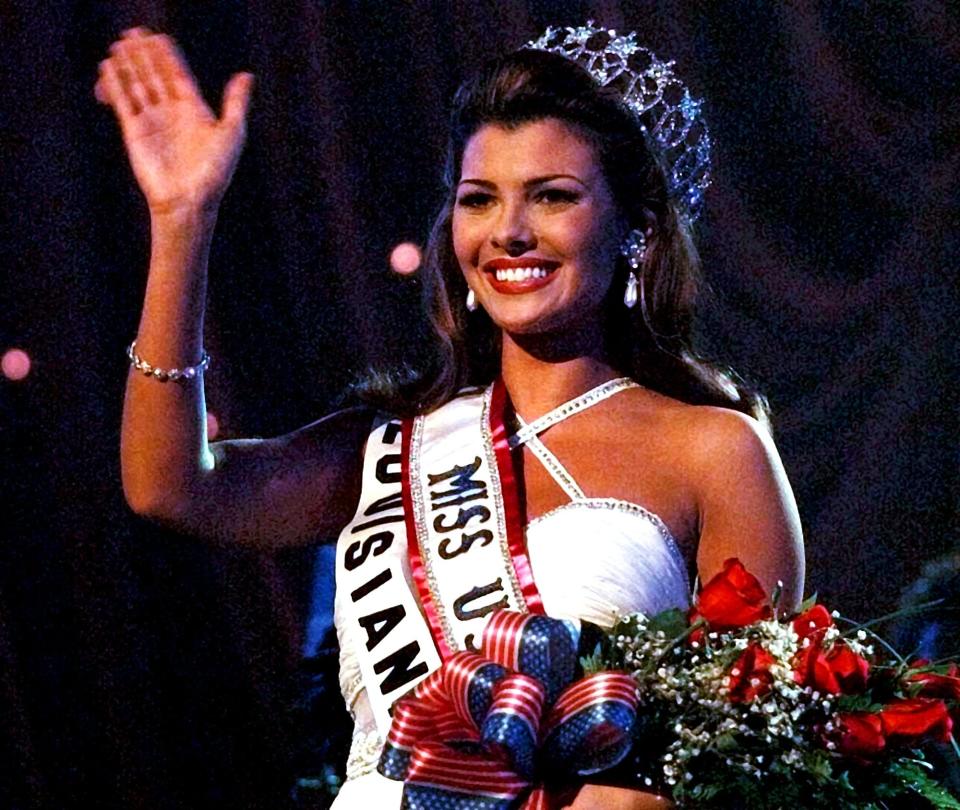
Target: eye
x,y
475,199
555,196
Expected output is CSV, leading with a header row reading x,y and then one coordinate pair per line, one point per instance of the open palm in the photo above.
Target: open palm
x,y
180,152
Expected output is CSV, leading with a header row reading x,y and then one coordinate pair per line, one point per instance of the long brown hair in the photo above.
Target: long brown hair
x,y
651,343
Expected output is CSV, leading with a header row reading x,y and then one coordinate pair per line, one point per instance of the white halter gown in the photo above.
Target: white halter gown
x,y
592,558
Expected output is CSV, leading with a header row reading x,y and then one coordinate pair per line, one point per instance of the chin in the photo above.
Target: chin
x,y
558,317
523,320
559,326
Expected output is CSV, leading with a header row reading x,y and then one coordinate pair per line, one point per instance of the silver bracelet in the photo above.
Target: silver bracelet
x,y
165,374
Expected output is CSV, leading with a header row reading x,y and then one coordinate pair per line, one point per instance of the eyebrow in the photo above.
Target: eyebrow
x,y
536,181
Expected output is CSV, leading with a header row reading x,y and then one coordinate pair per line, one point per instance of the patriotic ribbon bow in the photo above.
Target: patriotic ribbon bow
x,y
483,731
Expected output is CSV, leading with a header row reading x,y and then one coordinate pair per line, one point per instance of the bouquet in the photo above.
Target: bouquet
x,y
738,708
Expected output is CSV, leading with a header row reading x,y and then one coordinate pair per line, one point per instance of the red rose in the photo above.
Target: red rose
x,y
811,668
819,674
860,735
838,670
733,598
909,719
812,623
937,685
750,676
849,669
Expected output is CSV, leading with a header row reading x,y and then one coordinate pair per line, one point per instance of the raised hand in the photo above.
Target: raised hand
x,y
182,155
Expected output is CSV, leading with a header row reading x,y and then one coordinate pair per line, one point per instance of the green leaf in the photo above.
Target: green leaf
x,y
916,778
819,765
809,602
942,668
857,703
671,623
594,663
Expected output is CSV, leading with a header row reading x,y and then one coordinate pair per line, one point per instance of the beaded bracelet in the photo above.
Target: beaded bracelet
x,y
163,374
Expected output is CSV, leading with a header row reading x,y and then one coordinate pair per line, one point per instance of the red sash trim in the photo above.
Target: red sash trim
x,y
417,569
516,538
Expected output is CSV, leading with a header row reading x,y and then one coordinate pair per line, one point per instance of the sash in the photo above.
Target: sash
x,y
393,643
464,528
441,490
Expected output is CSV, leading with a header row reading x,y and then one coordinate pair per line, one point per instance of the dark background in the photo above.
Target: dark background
x,y
141,669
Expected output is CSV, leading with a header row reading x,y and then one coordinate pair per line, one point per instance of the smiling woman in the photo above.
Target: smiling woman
x,y
564,451
535,228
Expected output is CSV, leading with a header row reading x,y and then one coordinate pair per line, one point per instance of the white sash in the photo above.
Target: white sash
x,y
445,508
394,647
461,525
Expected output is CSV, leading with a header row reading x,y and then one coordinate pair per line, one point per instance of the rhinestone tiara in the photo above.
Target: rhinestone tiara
x,y
648,86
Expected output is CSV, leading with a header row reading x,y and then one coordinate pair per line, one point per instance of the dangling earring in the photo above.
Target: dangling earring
x,y
630,294
471,300
633,249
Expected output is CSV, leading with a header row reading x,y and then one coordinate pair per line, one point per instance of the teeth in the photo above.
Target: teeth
x,y
521,273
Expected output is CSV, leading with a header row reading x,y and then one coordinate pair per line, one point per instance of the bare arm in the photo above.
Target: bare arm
x,y
747,509
267,493
271,493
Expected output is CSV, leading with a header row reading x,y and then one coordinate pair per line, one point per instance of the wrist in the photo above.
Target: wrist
x,y
181,237
181,216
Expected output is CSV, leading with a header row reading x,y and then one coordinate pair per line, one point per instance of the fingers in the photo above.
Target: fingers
x,y
99,89
108,86
146,69
110,90
173,68
122,81
236,99
134,55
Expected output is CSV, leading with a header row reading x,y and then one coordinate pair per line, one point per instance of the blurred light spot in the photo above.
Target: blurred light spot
x,y
405,258
15,364
213,426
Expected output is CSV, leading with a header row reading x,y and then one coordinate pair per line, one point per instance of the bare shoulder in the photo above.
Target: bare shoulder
x,y
731,456
743,498
705,437
721,440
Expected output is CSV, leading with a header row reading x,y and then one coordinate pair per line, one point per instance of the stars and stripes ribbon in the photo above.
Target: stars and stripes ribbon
x,y
486,731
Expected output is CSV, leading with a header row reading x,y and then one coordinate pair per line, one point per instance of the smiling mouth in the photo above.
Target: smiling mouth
x,y
519,275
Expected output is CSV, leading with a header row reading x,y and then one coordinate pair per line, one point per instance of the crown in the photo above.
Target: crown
x,y
668,114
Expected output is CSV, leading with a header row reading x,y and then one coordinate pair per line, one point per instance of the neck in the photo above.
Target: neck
x,y
544,371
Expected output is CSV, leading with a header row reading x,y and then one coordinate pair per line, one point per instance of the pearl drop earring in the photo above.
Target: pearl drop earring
x,y
633,249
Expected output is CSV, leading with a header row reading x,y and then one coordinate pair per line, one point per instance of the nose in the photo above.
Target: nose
x,y
512,231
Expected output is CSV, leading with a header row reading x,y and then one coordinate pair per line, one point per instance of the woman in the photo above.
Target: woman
x,y
597,465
